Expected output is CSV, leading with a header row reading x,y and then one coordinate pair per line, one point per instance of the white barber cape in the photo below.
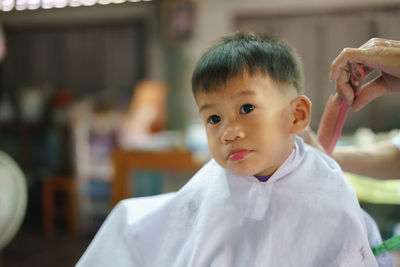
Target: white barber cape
x,y
305,215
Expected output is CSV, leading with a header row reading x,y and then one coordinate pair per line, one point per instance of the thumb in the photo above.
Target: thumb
x,y
369,92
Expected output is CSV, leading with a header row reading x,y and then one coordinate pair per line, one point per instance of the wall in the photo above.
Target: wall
x,y
145,11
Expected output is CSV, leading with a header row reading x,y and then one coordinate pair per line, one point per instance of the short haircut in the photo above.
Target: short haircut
x,y
247,52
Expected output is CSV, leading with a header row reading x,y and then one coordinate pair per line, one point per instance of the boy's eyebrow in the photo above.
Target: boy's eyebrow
x,y
245,92
241,93
206,106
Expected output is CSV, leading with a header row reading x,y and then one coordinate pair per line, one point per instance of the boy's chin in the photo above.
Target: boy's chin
x,y
241,172
249,172
239,168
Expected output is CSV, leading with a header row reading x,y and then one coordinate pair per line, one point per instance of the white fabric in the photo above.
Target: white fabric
x,y
396,141
306,214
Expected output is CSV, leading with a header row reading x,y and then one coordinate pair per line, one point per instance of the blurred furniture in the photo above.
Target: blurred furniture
x,y
148,105
125,161
146,114
98,124
66,186
94,123
17,139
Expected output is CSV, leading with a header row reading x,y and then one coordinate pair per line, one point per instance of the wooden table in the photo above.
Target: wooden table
x,y
125,161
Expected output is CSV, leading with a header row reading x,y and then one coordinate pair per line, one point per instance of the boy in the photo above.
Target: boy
x,y
266,198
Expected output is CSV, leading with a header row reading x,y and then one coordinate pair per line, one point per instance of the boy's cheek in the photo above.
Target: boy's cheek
x,y
213,147
211,133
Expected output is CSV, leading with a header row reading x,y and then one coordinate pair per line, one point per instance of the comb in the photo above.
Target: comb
x,y
334,116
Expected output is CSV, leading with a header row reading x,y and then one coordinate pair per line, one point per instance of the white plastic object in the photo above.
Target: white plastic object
x,y
13,198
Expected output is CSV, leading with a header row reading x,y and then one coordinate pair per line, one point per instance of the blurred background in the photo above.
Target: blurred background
x,y
93,92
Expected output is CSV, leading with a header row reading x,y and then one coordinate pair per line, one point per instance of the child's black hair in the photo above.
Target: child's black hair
x,y
251,52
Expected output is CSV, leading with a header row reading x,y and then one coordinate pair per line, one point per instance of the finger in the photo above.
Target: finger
x,y
344,89
376,42
341,62
349,56
368,70
357,76
392,82
369,92
394,43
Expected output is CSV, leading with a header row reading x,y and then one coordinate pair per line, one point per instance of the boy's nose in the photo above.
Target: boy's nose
x,y
232,134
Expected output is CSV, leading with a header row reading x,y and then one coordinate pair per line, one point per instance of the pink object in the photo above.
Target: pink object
x,y
238,155
332,123
334,116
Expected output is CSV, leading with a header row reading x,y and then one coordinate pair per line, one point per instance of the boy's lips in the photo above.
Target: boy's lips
x,y
238,154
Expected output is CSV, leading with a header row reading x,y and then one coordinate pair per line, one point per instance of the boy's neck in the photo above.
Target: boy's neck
x,y
262,178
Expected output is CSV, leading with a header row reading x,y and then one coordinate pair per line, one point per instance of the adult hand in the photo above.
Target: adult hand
x,y
376,54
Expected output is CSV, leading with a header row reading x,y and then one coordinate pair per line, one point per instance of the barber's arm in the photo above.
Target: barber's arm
x,y
380,160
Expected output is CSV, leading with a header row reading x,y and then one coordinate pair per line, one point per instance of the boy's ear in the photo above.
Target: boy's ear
x,y
301,114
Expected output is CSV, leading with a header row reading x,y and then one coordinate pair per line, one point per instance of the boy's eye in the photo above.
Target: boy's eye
x,y
246,108
214,119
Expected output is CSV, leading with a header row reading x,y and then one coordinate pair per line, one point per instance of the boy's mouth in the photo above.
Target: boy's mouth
x,y
237,155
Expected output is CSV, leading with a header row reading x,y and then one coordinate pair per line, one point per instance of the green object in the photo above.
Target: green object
x,y
388,245
375,191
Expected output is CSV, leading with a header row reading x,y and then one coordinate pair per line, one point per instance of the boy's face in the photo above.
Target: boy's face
x,y
247,121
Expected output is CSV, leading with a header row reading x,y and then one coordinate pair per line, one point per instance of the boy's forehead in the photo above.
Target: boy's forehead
x,y
243,82
223,92
244,86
